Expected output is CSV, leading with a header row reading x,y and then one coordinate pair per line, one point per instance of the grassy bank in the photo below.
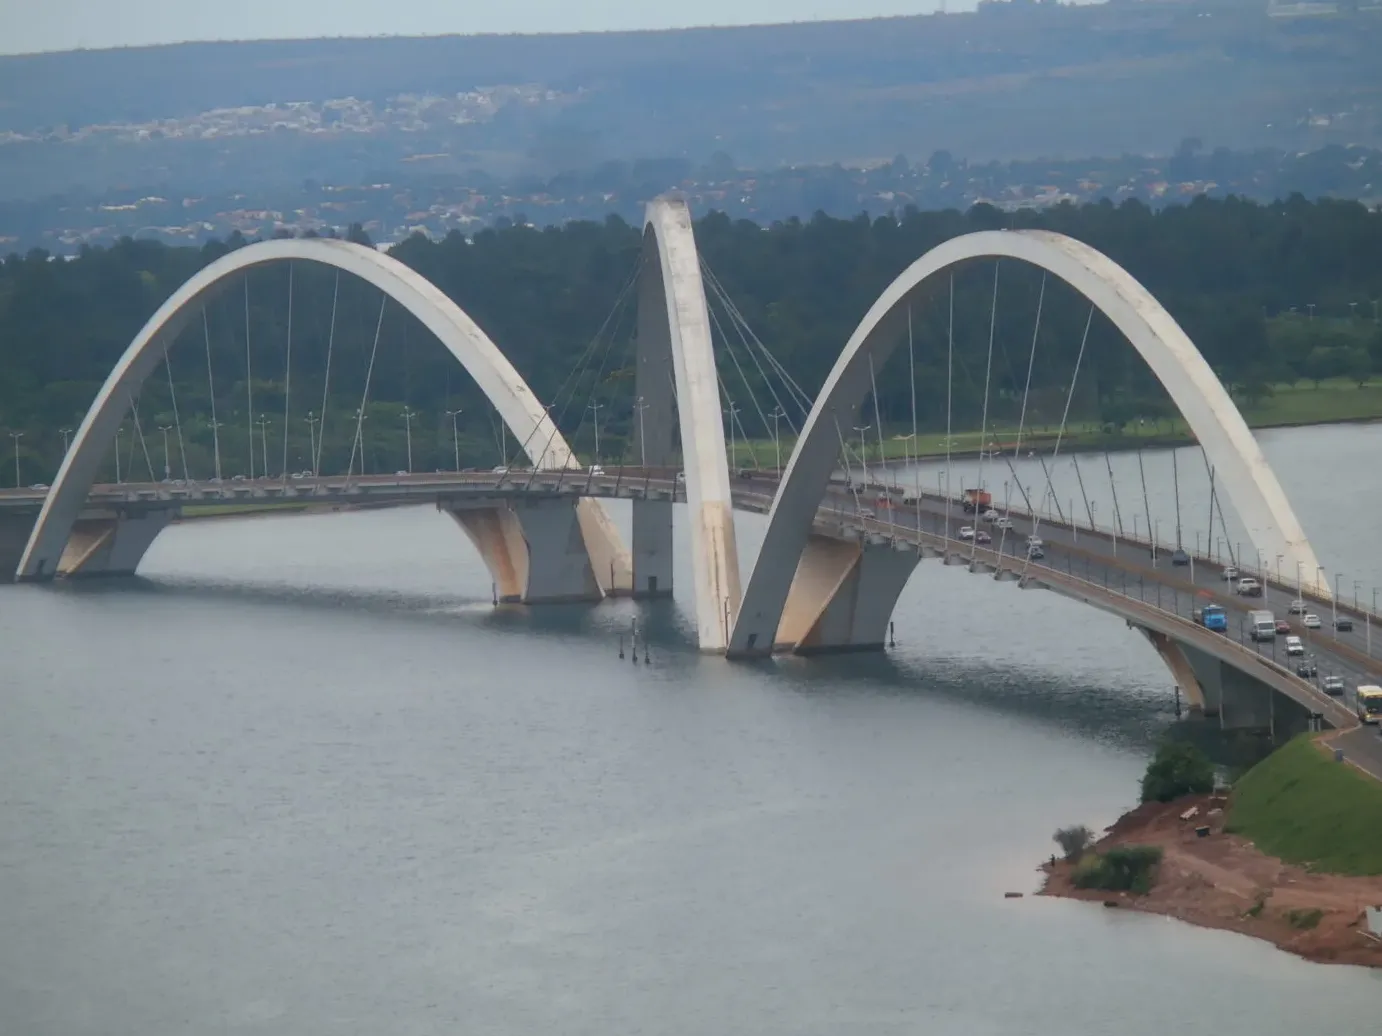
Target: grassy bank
x,y
1301,806
1298,403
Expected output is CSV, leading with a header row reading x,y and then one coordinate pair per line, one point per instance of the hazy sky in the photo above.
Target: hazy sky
x,y
32,25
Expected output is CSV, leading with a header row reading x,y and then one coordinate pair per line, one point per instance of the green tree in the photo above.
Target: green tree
x,y
1178,768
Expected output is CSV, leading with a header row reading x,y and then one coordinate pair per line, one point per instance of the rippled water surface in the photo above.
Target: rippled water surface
x,y
302,778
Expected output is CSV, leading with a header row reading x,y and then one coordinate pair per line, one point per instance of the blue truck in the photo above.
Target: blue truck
x,y
1212,617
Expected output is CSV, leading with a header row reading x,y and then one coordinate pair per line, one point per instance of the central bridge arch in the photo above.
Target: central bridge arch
x,y
515,402
1213,418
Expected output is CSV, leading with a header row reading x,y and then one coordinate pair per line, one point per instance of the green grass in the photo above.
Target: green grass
x,y
1301,806
1301,402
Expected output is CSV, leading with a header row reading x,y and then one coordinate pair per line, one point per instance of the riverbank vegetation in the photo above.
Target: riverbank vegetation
x,y
1280,299
1300,805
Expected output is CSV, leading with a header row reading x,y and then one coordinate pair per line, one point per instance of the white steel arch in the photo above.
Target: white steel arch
x,y
1238,461
674,330
496,376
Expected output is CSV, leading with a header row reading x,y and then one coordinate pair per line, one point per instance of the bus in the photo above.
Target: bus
x,y
1369,703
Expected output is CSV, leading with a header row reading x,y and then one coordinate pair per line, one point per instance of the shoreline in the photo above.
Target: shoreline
x,y
1223,881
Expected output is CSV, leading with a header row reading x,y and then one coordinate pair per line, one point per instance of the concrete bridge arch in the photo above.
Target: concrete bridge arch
x,y
606,562
798,583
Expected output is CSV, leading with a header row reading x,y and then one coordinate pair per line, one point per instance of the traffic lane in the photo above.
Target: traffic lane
x,y
1362,746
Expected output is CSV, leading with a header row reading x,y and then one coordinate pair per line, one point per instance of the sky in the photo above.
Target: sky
x,y
38,25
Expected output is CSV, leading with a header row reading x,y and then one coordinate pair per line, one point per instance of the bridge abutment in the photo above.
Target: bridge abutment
x,y
843,595
536,552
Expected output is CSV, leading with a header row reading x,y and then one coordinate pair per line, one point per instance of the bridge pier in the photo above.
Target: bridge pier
x,y
843,595
652,548
1182,671
110,544
536,552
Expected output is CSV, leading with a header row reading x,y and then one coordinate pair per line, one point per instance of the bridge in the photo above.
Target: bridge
x,y
841,543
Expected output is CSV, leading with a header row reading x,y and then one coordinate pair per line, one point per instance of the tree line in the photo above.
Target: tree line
x,y
1271,293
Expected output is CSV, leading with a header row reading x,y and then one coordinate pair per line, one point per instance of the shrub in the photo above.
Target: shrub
x,y
1073,841
1177,769
1259,901
1304,920
1124,868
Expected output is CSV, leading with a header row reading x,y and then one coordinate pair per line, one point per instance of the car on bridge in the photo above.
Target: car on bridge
x,y
1297,607
1003,523
1343,624
1307,668
1230,573
1311,621
1294,646
1333,686
1034,552
1369,698
966,532
1283,627
1249,587
980,536
1180,557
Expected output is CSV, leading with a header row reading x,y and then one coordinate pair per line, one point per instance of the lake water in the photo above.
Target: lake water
x,y
302,778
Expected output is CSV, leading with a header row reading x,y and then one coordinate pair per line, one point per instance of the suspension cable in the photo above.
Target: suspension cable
x,y
287,375
1113,488
949,405
916,442
144,446
1146,501
1060,432
326,380
211,388
364,398
249,377
177,420
748,388
984,419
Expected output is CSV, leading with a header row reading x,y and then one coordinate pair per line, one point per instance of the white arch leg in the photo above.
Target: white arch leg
x,y
1215,421
674,297
515,402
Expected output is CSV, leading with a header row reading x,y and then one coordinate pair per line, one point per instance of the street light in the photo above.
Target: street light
x,y
641,406
216,447
312,420
167,467
16,436
1334,604
777,414
118,432
595,409
863,451
408,416
360,418
456,438
66,434
263,423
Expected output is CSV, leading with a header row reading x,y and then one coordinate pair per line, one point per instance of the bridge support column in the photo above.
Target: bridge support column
x,y
652,548
843,595
110,545
14,534
536,551
1181,671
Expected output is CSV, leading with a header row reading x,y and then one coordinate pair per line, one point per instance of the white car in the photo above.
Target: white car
x,y
1035,541
500,470
1230,573
867,512
1294,646
595,469
990,515
1297,607
966,532
1003,523
1311,621
1249,588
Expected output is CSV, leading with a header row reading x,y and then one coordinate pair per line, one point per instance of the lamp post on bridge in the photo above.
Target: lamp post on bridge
x,y
1334,604
595,409
777,415
16,436
216,446
456,438
312,420
1279,558
1368,617
167,465
263,423
118,433
66,434
863,451
640,406
360,418
408,416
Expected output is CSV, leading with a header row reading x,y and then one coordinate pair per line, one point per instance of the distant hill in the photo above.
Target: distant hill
x,y
1012,80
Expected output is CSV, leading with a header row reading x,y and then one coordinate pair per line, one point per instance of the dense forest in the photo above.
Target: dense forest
x,y
1270,293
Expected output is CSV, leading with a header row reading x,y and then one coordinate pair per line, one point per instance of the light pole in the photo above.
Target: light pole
x,y
16,436
216,446
733,412
360,418
263,423
1369,619
777,414
1279,559
167,467
66,434
408,416
312,420
118,432
1300,582
595,409
1334,604
1310,308
456,438
641,406
864,451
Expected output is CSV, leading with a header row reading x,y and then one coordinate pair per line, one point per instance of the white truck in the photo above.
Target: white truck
x,y
1261,625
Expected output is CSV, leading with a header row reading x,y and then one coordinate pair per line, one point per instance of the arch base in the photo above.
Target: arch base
x,y
108,545
536,551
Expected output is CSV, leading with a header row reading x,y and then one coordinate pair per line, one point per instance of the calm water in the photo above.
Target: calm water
x,y
303,779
